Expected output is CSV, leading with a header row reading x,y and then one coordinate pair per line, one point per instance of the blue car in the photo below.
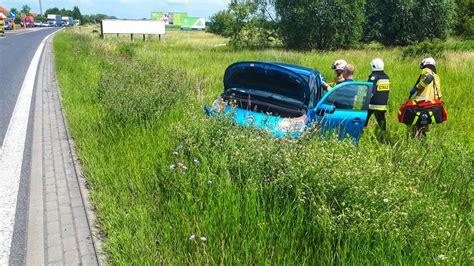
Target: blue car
x,y
287,100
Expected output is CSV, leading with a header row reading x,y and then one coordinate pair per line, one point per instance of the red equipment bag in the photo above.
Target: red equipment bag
x,y
420,112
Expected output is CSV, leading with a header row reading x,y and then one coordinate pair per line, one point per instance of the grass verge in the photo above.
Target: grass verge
x,y
162,175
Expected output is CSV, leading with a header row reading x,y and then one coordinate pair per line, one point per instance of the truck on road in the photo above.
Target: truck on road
x,y
54,20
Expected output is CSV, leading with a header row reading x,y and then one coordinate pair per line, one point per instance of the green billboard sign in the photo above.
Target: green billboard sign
x,y
157,15
169,17
177,16
191,23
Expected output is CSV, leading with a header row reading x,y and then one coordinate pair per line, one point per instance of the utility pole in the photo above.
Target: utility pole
x,y
41,8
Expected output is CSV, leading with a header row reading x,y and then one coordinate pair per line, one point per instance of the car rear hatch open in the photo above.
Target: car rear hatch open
x,y
267,83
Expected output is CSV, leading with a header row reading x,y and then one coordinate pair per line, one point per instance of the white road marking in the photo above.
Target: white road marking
x,y
21,31
11,156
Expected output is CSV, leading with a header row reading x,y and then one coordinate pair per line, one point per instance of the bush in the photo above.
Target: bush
x,y
425,49
403,22
222,23
319,24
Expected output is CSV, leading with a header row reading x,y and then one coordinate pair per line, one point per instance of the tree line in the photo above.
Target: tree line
x,y
75,13
341,24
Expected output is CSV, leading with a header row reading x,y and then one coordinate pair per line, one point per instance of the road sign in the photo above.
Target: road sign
x,y
12,14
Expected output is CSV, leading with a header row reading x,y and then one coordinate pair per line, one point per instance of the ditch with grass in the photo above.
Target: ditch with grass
x,y
172,186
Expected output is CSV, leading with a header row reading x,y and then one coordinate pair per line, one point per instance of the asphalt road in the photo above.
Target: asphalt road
x,y
16,51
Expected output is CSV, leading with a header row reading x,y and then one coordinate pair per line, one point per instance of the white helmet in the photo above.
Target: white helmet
x,y
377,64
428,61
339,64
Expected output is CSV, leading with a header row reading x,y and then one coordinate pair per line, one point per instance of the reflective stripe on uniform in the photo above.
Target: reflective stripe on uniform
x,y
433,119
378,107
416,118
383,85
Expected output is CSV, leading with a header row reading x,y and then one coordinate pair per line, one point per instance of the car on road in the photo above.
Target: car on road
x,y
287,100
8,25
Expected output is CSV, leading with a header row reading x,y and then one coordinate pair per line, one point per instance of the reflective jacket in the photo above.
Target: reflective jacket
x,y
380,90
428,85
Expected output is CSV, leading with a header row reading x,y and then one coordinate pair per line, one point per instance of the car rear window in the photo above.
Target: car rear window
x,y
268,80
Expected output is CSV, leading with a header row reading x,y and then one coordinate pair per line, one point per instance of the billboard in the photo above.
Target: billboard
x,y
169,17
163,16
133,26
191,23
177,16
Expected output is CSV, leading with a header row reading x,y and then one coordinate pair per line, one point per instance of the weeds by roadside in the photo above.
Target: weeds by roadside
x,y
173,186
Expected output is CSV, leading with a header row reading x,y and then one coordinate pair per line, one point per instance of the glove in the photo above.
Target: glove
x,y
413,91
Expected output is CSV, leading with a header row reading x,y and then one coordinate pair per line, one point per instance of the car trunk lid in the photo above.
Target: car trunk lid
x,y
268,78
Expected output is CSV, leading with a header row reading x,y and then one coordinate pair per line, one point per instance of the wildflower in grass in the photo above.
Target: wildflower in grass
x,y
196,161
192,237
209,182
385,200
180,165
172,167
180,147
175,153
441,257
203,239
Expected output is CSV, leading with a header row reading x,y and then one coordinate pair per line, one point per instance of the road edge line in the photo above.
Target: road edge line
x,y
12,151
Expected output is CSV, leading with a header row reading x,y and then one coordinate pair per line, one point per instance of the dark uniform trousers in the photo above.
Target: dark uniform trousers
x,y
378,102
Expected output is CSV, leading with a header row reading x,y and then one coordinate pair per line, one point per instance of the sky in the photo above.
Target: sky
x,y
132,9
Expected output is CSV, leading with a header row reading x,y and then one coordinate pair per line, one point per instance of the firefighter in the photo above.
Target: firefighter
x,y
427,87
338,67
380,91
2,26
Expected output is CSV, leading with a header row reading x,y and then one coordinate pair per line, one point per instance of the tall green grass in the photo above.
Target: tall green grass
x,y
163,175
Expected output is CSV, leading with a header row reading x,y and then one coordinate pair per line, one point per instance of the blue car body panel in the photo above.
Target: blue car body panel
x,y
343,109
252,119
345,121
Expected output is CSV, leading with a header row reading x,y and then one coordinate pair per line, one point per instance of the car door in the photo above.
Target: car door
x,y
344,109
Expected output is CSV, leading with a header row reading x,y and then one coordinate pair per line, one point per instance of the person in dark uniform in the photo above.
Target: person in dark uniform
x,y
380,91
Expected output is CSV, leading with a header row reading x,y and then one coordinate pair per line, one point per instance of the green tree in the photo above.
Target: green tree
x,y
389,22
433,19
40,18
52,11
246,23
76,13
26,9
401,22
319,24
464,19
222,23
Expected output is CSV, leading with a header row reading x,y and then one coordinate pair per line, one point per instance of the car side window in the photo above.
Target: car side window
x,y
348,97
